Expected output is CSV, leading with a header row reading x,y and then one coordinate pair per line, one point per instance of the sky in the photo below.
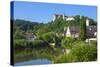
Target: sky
x,y
43,12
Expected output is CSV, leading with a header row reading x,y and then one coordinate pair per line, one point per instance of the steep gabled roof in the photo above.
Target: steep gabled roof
x,y
74,29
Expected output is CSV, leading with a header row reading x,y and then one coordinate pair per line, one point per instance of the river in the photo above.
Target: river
x,y
34,62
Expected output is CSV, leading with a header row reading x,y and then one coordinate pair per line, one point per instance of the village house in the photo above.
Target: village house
x,y
73,31
30,36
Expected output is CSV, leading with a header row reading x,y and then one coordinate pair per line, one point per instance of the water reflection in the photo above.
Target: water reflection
x,y
34,62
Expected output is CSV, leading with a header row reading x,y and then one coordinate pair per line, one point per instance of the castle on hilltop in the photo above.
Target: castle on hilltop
x,y
55,16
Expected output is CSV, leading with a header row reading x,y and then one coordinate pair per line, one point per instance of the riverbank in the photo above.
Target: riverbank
x,y
28,54
79,52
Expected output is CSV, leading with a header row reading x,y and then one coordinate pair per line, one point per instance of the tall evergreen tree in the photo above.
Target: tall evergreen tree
x,y
82,28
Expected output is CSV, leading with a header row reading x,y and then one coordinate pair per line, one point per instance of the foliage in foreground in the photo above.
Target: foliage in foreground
x,y
80,52
67,42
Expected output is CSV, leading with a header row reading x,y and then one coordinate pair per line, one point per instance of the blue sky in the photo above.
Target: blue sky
x,y
43,12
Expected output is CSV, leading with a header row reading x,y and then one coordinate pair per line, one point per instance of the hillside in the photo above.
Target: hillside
x,y
41,28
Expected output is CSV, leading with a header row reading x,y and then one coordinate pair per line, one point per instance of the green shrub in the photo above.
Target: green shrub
x,y
58,40
37,44
22,44
39,38
48,37
80,52
84,52
18,44
93,42
67,42
19,34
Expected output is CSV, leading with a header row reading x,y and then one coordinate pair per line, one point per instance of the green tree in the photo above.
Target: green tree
x,y
93,22
84,52
42,31
20,43
82,28
48,37
19,34
67,42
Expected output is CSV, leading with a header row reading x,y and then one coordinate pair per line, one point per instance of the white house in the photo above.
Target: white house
x,y
72,31
30,36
